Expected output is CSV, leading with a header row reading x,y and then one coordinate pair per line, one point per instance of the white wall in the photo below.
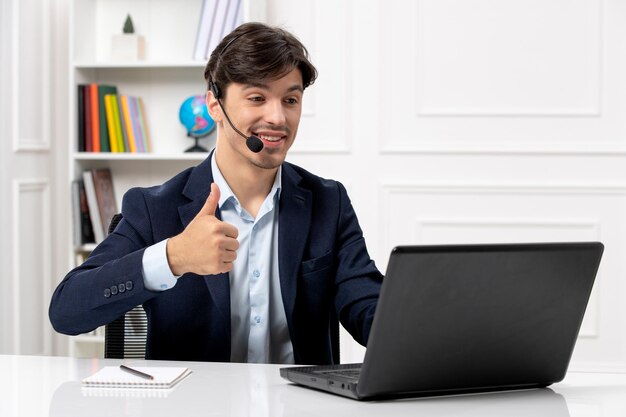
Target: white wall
x,y
448,121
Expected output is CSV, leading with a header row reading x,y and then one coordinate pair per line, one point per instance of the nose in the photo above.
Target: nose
x,y
275,113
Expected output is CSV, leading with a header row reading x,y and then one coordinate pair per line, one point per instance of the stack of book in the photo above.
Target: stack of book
x,y
93,206
217,19
109,122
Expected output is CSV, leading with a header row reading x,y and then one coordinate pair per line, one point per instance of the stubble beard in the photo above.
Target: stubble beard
x,y
260,161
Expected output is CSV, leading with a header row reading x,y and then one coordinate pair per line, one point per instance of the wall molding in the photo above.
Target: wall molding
x,y
456,124
499,187
387,189
607,148
592,110
41,186
21,144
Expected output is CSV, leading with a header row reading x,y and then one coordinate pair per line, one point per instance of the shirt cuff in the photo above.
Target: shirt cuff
x,y
157,275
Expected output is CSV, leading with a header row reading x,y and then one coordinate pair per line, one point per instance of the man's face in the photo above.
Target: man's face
x,y
271,111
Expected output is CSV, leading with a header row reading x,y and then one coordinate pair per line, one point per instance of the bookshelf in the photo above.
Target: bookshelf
x,y
163,79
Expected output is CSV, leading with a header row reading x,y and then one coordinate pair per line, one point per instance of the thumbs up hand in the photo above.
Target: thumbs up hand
x,y
207,246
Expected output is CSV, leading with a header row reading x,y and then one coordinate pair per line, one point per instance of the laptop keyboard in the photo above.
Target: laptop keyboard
x,y
350,372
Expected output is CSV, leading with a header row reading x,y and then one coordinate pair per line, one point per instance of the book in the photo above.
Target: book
x,y
217,28
92,202
120,114
105,197
134,117
80,99
76,214
105,142
143,124
118,126
83,231
87,114
95,117
128,124
114,377
232,18
204,29
111,122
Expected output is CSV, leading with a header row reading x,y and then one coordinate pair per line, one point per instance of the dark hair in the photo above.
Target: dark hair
x,y
254,53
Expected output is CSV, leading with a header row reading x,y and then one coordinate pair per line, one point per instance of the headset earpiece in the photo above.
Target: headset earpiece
x,y
215,90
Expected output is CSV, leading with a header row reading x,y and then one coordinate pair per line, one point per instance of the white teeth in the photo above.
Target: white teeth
x,y
270,138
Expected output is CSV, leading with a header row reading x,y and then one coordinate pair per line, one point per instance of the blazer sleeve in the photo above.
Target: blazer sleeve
x,y
357,281
110,282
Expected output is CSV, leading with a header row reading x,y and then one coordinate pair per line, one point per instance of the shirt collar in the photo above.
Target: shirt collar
x,y
227,194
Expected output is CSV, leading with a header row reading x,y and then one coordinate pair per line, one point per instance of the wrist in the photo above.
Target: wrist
x,y
174,256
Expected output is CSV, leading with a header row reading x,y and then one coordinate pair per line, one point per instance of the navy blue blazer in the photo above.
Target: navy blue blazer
x,y
323,265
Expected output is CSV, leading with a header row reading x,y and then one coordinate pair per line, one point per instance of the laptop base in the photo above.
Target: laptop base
x,y
305,376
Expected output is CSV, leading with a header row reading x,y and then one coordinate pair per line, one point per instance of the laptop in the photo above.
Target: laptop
x,y
455,319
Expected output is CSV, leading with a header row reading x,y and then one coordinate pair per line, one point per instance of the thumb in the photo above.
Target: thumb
x,y
212,201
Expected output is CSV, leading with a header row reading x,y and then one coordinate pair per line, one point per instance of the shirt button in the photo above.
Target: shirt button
x,y
256,273
257,319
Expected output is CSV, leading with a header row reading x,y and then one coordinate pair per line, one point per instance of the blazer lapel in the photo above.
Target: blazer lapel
x,y
293,231
197,190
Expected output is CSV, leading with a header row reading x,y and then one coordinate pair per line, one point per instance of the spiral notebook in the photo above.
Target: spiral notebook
x,y
114,377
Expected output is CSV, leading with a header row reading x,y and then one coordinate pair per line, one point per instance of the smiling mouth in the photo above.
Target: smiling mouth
x,y
270,138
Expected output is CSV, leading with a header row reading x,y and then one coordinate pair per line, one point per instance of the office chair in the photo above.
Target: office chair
x,y
125,337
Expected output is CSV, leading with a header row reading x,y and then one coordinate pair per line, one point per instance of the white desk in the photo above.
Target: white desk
x,y
42,386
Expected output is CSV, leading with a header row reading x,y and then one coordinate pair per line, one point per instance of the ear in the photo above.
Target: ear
x,y
213,107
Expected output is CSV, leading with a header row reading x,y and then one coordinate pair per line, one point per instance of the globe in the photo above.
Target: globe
x,y
193,114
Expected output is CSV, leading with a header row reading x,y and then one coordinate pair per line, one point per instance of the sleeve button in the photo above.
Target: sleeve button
x,y
121,288
114,290
107,293
129,285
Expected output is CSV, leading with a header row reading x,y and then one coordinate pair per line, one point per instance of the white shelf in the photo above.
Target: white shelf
x,y
138,65
108,156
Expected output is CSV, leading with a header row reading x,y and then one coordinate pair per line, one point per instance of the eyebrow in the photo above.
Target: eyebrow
x,y
295,87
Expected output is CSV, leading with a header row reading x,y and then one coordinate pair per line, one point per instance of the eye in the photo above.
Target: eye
x,y
256,99
292,100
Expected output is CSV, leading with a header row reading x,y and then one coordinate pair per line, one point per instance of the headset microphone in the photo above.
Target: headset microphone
x,y
252,142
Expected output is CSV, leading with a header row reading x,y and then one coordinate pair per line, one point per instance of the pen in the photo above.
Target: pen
x,y
136,372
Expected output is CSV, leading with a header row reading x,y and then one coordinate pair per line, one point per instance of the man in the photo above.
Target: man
x,y
245,257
